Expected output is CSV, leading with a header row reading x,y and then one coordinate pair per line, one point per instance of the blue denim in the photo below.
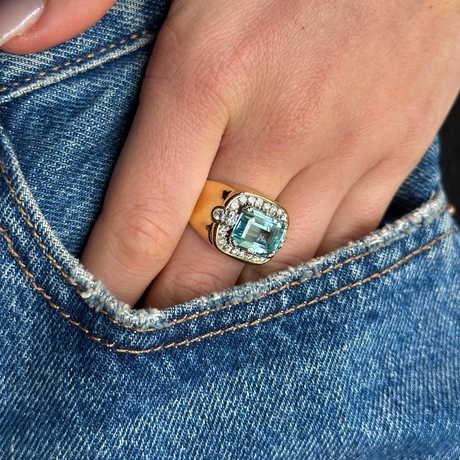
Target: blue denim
x,y
354,355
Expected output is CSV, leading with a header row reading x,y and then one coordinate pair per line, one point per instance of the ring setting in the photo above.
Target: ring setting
x,y
244,225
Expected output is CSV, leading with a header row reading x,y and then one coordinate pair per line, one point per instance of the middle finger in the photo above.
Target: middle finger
x,y
196,268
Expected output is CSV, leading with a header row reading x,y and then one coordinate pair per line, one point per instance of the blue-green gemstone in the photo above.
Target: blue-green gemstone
x,y
259,232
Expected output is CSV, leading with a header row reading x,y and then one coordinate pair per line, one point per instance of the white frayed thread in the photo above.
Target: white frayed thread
x,y
405,226
390,233
98,297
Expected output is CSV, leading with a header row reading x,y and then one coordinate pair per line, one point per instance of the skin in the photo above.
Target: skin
x,y
325,106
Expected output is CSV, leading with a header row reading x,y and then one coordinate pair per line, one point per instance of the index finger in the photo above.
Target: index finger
x,y
157,180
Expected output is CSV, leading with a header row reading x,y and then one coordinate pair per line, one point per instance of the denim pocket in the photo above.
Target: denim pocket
x,y
353,355
85,303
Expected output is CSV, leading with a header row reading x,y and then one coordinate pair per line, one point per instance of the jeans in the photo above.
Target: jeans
x,y
354,355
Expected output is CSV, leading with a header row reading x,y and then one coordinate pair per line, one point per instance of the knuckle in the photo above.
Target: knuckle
x,y
192,281
290,128
214,81
296,116
141,236
219,75
203,92
203,67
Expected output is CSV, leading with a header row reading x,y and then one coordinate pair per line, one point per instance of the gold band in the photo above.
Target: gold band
x,y
240,222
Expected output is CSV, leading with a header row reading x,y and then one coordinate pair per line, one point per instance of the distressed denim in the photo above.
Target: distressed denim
x,y
354,355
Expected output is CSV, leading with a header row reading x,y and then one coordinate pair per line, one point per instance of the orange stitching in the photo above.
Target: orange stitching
x,y
185,318
88,56
238,302
220,331
194,315
290,310
34,233
45,295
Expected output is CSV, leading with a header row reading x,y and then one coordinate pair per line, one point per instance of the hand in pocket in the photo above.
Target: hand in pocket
x,y
324,106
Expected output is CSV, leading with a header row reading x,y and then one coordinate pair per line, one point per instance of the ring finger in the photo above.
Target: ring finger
x,y
196,268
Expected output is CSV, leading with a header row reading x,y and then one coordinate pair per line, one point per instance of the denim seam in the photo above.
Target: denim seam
x,y
447,206
189,317
186,318
220,331
34,232
78,60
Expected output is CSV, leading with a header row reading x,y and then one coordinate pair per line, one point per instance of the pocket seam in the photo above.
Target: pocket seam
x,y
112,346
34,232
90,55
265,294
185,318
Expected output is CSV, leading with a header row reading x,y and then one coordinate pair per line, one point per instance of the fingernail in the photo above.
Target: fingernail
x,y
16,16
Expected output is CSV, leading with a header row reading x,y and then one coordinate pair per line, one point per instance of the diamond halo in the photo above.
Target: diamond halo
x,y
250,228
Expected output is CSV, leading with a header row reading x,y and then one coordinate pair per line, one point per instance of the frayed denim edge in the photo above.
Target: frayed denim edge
x,y
97,296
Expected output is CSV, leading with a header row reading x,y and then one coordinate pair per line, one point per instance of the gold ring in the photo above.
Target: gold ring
x,y
239,222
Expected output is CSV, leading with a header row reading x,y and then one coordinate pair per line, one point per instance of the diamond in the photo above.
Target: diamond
x,y
232,218
272,211
266,207
242,200
252,200
223,230
258,232
259,203
234,205
218,213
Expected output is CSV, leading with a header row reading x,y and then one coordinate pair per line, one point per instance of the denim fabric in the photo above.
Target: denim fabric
x,y
354,355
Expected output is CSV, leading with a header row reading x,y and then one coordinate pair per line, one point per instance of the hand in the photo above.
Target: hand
x,y
324,106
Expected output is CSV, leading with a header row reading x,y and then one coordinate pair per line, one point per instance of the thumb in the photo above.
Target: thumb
x,y
28,26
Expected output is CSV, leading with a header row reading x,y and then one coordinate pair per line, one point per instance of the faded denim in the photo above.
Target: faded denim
x,y
354,355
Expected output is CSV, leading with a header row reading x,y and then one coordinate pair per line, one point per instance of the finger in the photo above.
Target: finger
x,y
28,26
196,268
156,183
311,199
364,205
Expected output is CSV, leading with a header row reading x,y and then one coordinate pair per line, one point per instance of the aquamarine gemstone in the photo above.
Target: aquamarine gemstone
x,y
259,232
